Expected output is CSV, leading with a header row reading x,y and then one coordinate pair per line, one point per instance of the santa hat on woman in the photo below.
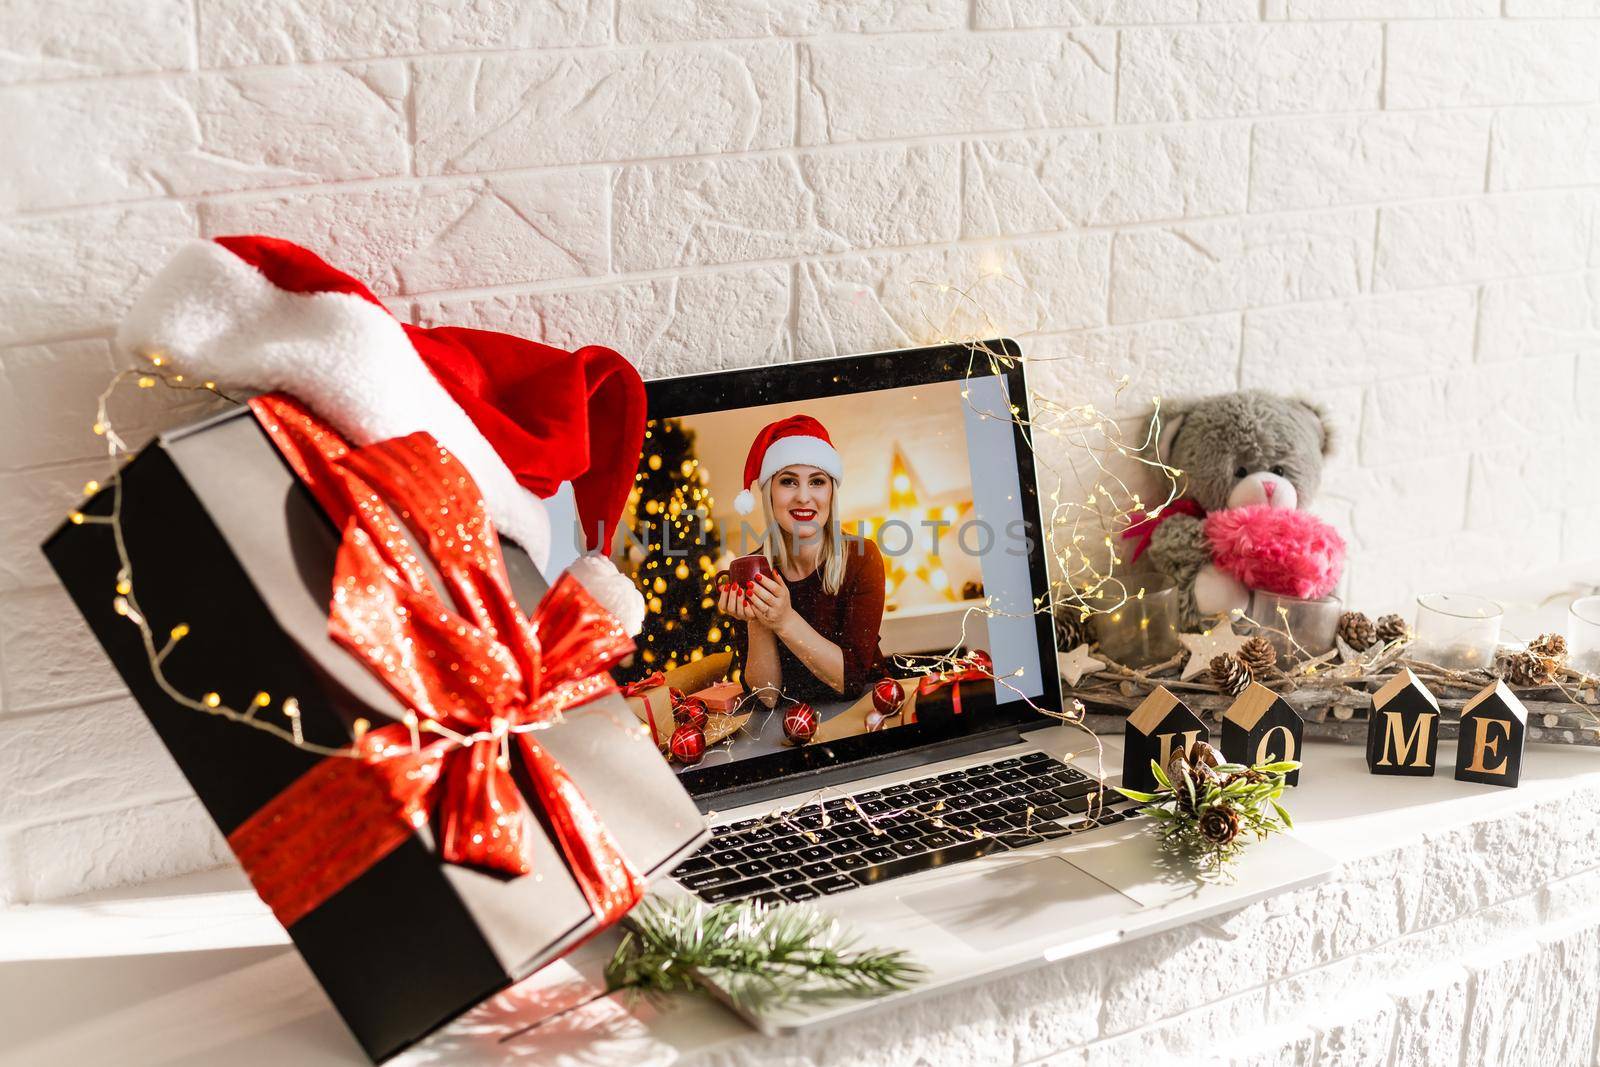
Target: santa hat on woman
x,y
797,439
257,313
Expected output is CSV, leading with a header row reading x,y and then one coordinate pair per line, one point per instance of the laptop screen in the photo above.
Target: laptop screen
x,y
840,558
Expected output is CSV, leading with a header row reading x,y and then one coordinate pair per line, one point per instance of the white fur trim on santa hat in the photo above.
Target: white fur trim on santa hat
x,y
804,451
213,314
611,588
789,452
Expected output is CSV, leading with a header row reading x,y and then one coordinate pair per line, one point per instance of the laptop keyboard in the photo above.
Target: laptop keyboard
x,y
836,845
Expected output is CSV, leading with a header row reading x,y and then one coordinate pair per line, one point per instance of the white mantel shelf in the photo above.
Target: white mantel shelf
x,y
1464,925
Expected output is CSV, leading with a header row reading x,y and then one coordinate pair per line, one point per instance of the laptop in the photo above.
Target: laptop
x,y
971,827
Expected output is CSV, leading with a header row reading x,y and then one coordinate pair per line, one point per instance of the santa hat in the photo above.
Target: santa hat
x,y
797,439
260,313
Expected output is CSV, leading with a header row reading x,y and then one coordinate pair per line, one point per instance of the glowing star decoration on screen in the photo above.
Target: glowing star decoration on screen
x,y
914,548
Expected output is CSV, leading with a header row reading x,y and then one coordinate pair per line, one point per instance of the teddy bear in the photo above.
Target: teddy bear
x,y
1250,461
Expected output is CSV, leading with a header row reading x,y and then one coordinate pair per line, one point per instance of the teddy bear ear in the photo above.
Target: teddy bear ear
x,y
1319,418
1171,423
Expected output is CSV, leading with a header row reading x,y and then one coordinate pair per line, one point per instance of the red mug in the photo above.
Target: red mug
x,y
744,570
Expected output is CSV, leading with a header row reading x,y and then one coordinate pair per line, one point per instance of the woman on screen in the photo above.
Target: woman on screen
x,y
810,632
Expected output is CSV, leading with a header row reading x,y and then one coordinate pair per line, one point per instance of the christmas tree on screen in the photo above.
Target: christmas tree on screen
x,y
674,551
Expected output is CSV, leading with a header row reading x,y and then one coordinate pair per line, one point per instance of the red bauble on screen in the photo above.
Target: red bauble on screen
x,y
888,697
675,695
691,711
688,745
800,723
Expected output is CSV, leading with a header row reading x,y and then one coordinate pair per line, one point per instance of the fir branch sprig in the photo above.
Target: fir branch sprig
x,y
760,954
1203,808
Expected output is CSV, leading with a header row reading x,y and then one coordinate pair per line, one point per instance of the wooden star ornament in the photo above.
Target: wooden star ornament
x,y
1217,641
1077,663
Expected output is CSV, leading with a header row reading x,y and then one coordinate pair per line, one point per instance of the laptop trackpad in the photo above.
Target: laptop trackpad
x,y
1019,903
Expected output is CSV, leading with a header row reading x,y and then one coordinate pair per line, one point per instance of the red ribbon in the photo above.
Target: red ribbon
x,y
1143,527
468,661
974,668
641,689
644,685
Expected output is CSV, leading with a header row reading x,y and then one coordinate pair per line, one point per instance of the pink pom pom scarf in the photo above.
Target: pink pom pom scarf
x,y
1280,550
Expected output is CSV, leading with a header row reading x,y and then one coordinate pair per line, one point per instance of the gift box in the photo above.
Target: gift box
x,y
234,554
722,697
939,694
651,699
935,697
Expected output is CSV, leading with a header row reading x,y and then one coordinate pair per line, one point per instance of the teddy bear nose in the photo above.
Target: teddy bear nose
x,y
1270,489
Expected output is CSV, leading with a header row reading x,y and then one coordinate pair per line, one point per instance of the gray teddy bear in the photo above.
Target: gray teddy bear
x,y
1238,449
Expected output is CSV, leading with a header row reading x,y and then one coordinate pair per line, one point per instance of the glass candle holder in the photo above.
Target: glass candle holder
x,y
1456,631
1583,635
1139,631
1312,623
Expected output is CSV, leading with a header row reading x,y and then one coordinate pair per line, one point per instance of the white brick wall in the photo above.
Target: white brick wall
x,y
1388,203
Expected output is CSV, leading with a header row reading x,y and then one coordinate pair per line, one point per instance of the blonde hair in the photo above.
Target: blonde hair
x,y
775,544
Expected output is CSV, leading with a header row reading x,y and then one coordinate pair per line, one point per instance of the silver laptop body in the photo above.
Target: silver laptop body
x,y
1064,884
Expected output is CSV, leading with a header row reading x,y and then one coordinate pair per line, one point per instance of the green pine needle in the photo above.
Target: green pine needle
x,y
761,955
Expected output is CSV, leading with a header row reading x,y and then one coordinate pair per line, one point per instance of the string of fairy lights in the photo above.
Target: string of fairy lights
x,y
1087,505
1077,524
1094,506
1077,521
125,601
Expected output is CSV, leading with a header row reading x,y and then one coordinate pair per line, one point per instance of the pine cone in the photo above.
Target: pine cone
x,y
1230,674
1552,648
1357,631
1070,630
1392,628
1198,765
1526,669
1220,825
1199,761
1178,772
1258,655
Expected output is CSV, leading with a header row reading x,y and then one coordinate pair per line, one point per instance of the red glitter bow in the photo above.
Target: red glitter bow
x,y
973,668
479,677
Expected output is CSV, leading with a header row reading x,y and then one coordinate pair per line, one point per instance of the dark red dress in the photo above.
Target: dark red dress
x,y
850,619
